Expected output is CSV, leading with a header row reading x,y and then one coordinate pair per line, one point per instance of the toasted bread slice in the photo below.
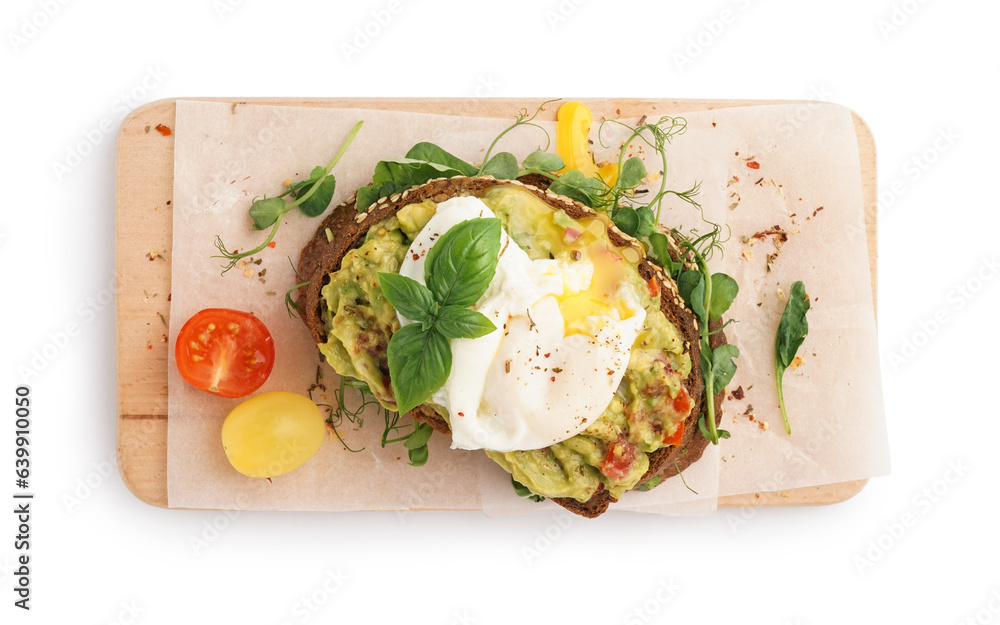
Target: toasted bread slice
x,y
322,256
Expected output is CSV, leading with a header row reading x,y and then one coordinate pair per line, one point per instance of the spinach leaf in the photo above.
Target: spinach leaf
x,y
462,263
647,221
723,367
398,175
576,186
792,331
627,221
724,291
426,151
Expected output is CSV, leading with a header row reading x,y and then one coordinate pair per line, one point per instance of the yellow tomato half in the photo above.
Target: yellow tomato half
x,y
272,434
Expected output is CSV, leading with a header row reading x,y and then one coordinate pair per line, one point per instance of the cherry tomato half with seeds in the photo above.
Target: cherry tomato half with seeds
x,y
226,352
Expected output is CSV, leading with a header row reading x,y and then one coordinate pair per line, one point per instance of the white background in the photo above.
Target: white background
x,y
115,559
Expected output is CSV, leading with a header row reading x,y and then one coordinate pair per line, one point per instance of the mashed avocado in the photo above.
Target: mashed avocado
x,y
645,413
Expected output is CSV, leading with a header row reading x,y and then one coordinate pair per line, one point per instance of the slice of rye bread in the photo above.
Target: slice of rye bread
x,y
321,256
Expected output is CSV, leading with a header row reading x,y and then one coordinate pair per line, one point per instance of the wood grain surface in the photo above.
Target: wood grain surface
x,y
144,172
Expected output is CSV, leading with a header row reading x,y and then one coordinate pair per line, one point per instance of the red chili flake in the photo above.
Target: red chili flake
x,y
713,124
549,354
461,414
753,165
618,111
149,347
751,417
164,130
416,256
817,210
738,393
553,378
272,244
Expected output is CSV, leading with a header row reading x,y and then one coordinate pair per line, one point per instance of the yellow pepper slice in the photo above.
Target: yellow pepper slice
x,y
573,123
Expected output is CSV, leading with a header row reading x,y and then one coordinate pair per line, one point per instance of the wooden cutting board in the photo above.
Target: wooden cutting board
x,y
144,176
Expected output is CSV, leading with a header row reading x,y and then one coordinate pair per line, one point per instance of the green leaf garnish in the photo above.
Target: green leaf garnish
x,y
456,322
540,161
503,166
398,175
410,298
792,331
632,173
269,211
524,491
724,291
419,363
462,263
426,151
723,367
651,483
458,270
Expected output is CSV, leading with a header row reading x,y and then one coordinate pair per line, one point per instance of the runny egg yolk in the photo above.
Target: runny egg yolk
x,y
586,312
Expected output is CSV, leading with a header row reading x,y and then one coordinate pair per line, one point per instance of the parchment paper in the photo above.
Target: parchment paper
x,y
226,156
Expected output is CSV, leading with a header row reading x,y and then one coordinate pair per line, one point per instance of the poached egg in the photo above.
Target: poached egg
x,y
564,336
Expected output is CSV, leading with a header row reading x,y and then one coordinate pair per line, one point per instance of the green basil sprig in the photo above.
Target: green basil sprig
x,y
792,331
458,270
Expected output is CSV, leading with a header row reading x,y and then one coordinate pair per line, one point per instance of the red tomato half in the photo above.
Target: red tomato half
x,y
225,352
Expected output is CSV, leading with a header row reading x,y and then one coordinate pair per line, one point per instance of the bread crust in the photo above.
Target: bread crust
x,y
321,256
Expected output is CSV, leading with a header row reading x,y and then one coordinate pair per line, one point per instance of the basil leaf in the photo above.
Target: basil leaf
x,y
456,322
426,151
627,221
419,362
462,263
574,185
502,166
633,171
419,436
793,327
647,221
410,298
317,203
543,161
267,211
723,367
724,291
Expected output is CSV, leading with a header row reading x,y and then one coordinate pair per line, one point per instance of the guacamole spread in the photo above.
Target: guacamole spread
x,y
647,411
